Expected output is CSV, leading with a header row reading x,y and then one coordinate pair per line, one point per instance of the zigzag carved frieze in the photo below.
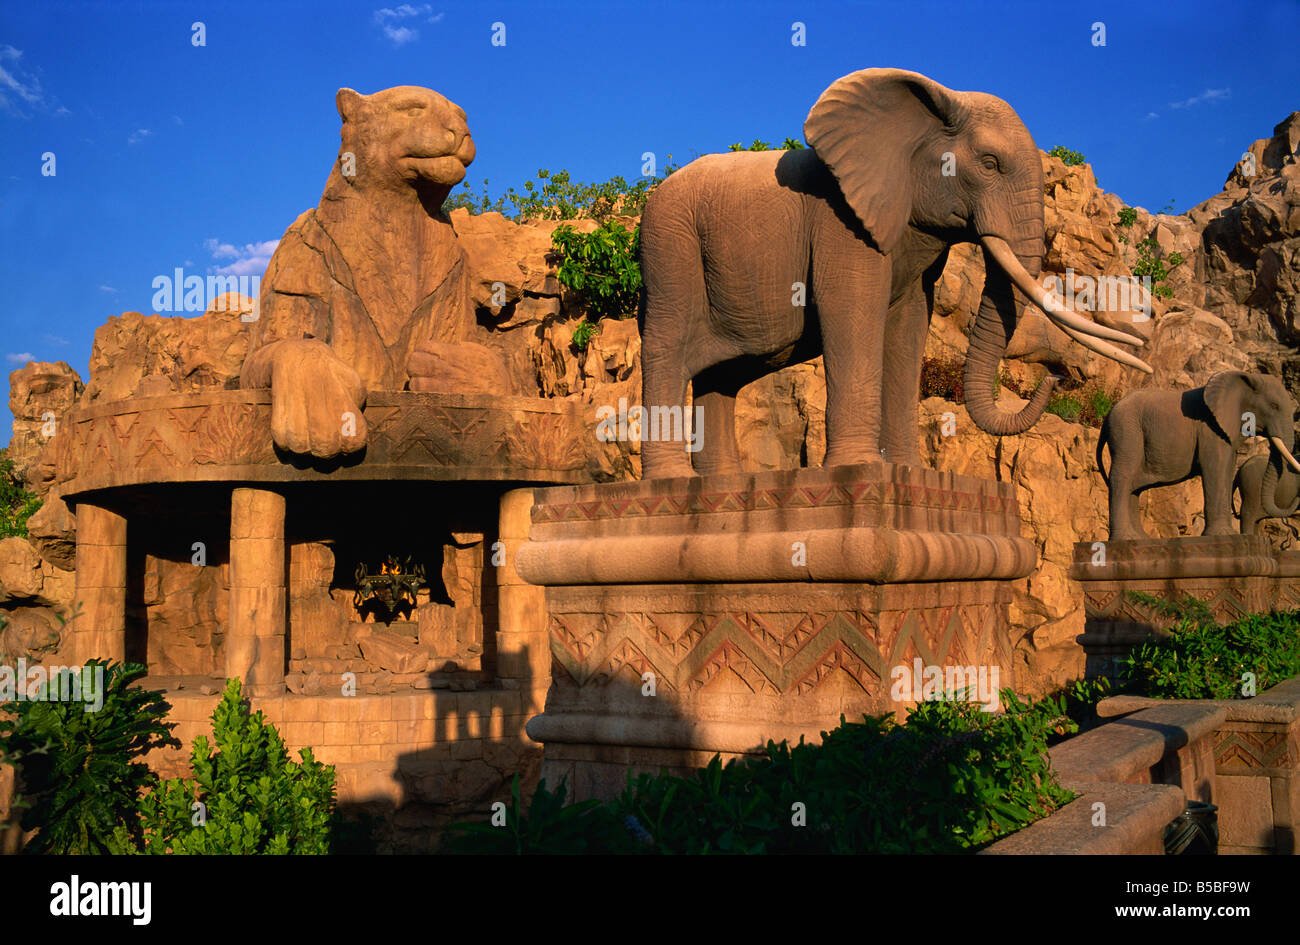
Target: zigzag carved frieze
x,y
1254,750
771,652
751,500
1225,597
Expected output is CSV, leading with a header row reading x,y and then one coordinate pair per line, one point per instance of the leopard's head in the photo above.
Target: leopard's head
x,y
403,137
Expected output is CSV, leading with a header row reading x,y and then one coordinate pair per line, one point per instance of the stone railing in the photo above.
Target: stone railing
x,y
1134,777
1256,747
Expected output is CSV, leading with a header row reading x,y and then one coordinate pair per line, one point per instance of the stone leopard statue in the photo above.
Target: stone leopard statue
x,y
369,287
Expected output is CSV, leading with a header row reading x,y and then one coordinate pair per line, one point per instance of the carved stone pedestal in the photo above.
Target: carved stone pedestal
x,y
694,616
1233,575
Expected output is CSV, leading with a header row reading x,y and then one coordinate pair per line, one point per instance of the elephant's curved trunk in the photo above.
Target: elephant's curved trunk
x,y
1268,489
990,333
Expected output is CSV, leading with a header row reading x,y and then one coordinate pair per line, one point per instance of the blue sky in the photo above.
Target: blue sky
x,y
170,155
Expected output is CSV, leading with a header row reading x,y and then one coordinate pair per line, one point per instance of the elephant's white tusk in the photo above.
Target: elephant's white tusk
x,y
1005,258
1281,448
1115,354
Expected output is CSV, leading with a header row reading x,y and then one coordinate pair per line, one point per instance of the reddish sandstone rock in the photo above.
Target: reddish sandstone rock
x,y
40,395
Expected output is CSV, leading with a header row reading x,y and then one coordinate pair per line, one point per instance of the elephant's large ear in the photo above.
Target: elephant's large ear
x,y
866,127
1223,395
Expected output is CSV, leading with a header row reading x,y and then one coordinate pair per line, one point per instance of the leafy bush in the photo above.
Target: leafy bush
x,y
1068,157
17,505
789,144
79,768
1088,404
254,798
1202,660
583,334
1127,217
556,196
1151,264
547,826
601,267
953,779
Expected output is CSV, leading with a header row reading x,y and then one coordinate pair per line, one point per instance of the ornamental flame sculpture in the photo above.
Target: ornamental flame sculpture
x,y
391,591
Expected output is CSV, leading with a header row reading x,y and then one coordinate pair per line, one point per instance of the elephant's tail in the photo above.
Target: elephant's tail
x,y
1102,440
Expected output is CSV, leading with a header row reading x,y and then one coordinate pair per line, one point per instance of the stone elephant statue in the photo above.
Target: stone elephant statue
x,y
1163,437
1269,489
756,260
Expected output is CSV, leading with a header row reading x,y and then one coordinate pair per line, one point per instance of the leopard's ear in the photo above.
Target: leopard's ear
x,y
349,103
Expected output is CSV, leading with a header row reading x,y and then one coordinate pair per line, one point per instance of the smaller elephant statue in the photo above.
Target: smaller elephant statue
x,y
1163,437
1269,489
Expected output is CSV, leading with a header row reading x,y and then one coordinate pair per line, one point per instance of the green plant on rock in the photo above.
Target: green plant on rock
x,y
555,195
1151,264
601,267
17,505
1067,157
246,797
583,334
80,769
1127,216
789,144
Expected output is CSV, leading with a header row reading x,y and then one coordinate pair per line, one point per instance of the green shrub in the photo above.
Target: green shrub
x,y
1065,407
547,826
789,144
79,768
1127,217
1068,157
583,334
17,505
254,799
1087,404
1150,263
554,195
953,779
1202,660
602,267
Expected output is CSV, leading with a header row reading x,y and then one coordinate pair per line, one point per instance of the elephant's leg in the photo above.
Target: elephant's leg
x,y
1127,479
715,391
674,313
1216,481
1125,517
853,302
1250,484
906,327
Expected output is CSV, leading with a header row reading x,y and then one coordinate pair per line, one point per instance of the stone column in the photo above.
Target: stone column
x,y
523,644
255,639
99,630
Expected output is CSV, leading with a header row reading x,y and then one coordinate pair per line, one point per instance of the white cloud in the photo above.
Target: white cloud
x,y
138,135
389,20
20,358
56,340
107,288
17,85
1151,115
249,259
400,35
1209,95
